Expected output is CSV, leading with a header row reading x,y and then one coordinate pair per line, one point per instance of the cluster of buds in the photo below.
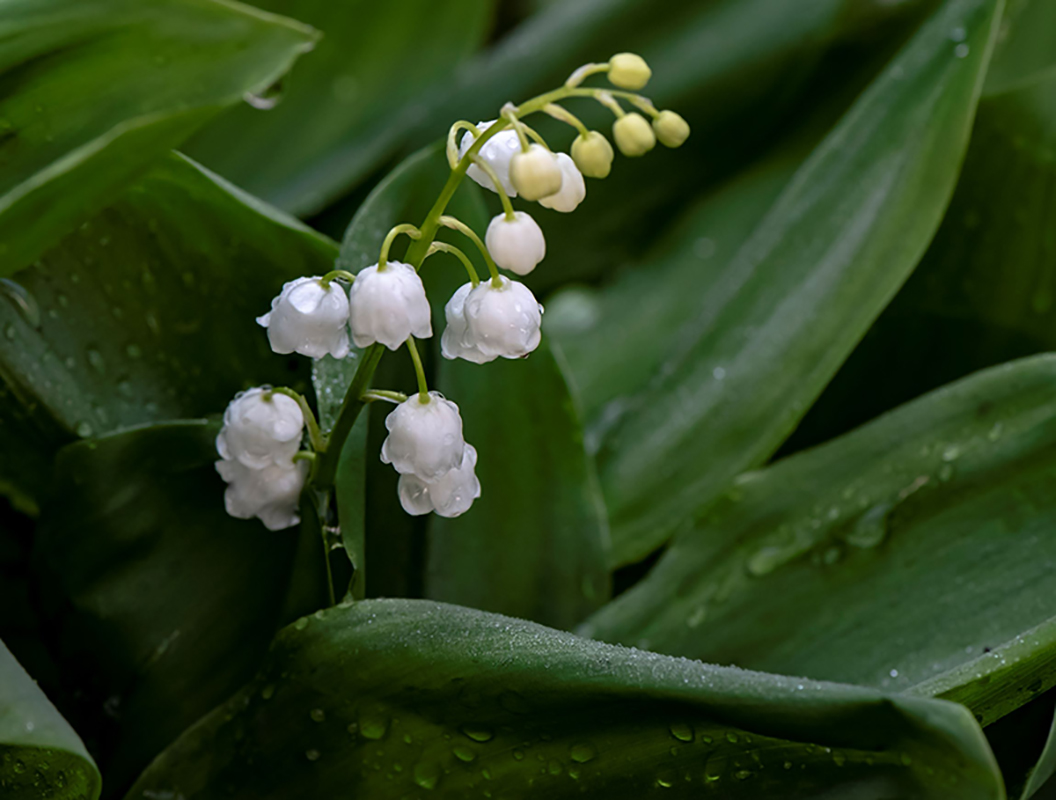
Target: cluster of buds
x,y
386,306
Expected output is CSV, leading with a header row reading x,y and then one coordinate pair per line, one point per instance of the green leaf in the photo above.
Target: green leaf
x,y
396,698
40,755
147,313
93,92
344,109
776,324
534,545
172,602
910,555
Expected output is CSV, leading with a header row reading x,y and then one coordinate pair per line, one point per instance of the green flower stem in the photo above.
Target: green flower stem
x,y
607,100
452,145
444,247
562,114
585,72
346,418
374,395
463,228
343,274
390,237
504,198
419,371
315,436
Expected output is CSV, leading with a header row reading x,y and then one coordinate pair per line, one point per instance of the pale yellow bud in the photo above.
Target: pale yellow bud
x,y
535,174
671,130
629,71
592,154
633,135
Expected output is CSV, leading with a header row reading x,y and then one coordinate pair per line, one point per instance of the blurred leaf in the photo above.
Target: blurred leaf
x,y
387,698
171,602
93,92
345,108
146,313
40,755
777,323
534,545
910,555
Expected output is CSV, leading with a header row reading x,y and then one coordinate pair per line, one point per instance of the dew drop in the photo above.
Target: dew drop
x,y
477,733
871,528
95,358
373,725
312,755
682,732
961,51
743,774
317,715
696,619
463,753
83,429
427,774
301,624
555,767
583,752
732,738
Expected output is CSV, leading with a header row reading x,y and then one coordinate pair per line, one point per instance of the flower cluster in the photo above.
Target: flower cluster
x,y
386,306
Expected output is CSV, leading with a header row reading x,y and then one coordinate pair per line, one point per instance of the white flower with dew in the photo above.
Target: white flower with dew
x,y
516,244
449,496
496,153
271,494
260,428
308,318
573,187
388,306
452,343
502,320
425,439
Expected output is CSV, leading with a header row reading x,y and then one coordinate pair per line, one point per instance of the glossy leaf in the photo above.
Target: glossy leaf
x,y
93,92
534,545
792,304
343,111
400,698
910,555
40,755
147,313
172,602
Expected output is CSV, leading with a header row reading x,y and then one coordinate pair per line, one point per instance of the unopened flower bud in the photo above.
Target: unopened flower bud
x,y
593,155
449,495
634,136
573,189
425,439
629,71
496,153
535,173
309,319
388,306
671,130
516,244
260,429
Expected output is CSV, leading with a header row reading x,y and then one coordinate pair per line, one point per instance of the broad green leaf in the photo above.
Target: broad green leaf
x,y
345,108
911,555
40,755
534,545
404,698
792,304
147,311
93,92
171,602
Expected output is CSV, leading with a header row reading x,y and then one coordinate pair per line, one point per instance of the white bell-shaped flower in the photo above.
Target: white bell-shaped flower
x,y
516,244
309,319
449,496
452,343
425,439
496,153
573,187
502,320
272,494
260,429
388,306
